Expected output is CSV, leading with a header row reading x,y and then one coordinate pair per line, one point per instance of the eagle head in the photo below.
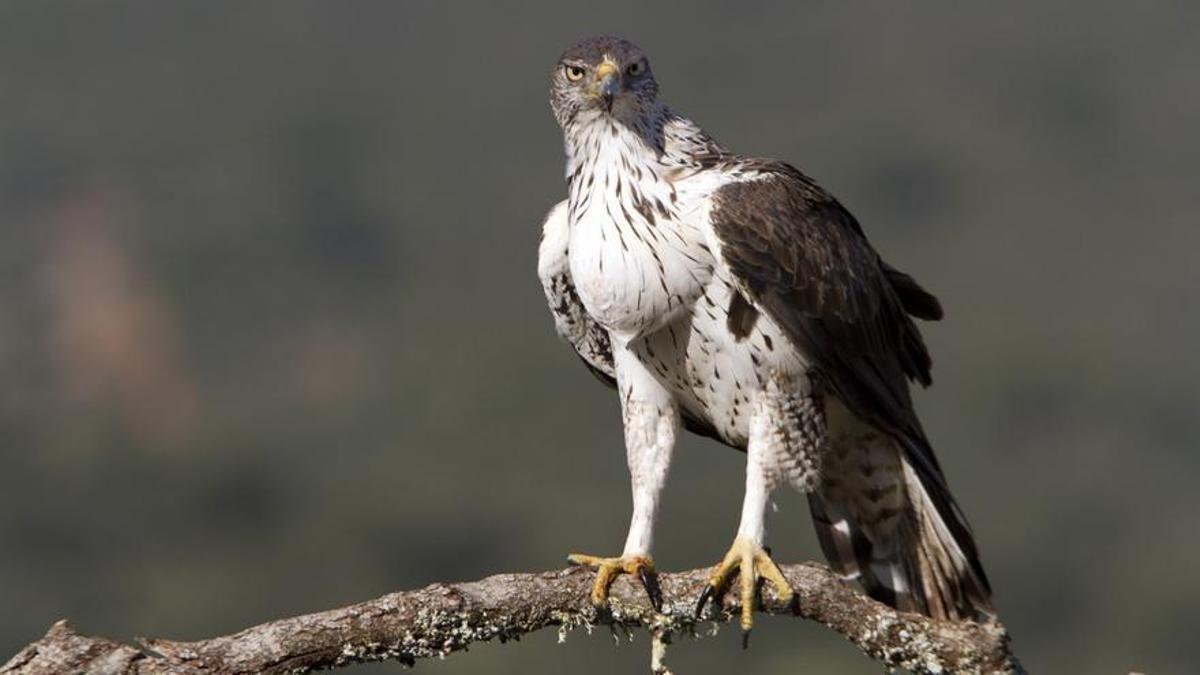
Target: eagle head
x,y
603,77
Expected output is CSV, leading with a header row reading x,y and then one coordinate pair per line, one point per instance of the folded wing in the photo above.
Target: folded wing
x,y
799,257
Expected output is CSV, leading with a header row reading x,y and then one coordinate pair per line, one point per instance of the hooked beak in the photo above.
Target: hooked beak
x,y
608,83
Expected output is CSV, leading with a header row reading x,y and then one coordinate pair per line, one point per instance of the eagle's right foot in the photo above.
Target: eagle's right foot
x,y
608,569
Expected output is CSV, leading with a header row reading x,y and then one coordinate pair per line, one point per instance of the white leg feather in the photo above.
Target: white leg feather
x,y
753,525
651,425
786,438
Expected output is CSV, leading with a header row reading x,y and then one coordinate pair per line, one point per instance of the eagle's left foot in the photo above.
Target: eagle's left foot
x,y
608,569
754,563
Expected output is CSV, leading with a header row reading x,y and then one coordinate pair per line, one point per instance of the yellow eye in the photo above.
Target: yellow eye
x,y
573,73
636,68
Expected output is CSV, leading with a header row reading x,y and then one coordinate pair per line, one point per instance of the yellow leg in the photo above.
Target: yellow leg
x,y
753,563
608,569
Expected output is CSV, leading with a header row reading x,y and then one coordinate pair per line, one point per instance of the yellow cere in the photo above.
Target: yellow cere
x,y
606,68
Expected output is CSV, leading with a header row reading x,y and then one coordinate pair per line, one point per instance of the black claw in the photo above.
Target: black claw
x,y
653,590
745,640
707,594
603,610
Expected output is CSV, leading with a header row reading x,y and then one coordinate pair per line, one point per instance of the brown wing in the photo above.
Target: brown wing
x,y
801,258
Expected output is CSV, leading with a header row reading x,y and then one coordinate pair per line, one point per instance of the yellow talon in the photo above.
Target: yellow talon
x,y
608,569
753,563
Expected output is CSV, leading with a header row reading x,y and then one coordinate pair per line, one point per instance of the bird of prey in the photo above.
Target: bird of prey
x,y
734,297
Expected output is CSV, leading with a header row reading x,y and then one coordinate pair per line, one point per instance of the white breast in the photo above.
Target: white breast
x,y
637,256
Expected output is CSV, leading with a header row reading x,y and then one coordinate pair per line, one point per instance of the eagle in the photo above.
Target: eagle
x,y
734,297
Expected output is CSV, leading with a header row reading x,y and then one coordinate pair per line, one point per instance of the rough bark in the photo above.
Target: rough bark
x,y
444,618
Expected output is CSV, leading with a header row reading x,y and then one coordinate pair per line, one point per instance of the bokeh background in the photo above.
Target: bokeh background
x,y
271,339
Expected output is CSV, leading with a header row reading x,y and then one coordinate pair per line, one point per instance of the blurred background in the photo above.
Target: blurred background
x,y
271,338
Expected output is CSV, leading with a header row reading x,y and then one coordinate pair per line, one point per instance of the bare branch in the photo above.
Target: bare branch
x,y
444,618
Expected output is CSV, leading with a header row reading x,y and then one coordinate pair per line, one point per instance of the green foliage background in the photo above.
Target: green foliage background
x,y
271,339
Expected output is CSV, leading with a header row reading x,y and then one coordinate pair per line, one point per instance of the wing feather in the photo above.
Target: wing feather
x,y
800,258
589,339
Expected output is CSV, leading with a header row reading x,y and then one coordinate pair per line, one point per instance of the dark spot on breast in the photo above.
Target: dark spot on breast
x,y
642,207
741,316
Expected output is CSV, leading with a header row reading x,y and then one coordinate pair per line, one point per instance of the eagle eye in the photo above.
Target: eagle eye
x,y
636,68
573,73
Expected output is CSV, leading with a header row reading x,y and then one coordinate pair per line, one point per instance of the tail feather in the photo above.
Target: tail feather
x,y
948,554
922,559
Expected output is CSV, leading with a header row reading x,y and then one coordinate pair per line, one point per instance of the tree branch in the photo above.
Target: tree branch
x,y
444,618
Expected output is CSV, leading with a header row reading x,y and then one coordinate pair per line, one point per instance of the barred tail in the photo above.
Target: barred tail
x,y
900,534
